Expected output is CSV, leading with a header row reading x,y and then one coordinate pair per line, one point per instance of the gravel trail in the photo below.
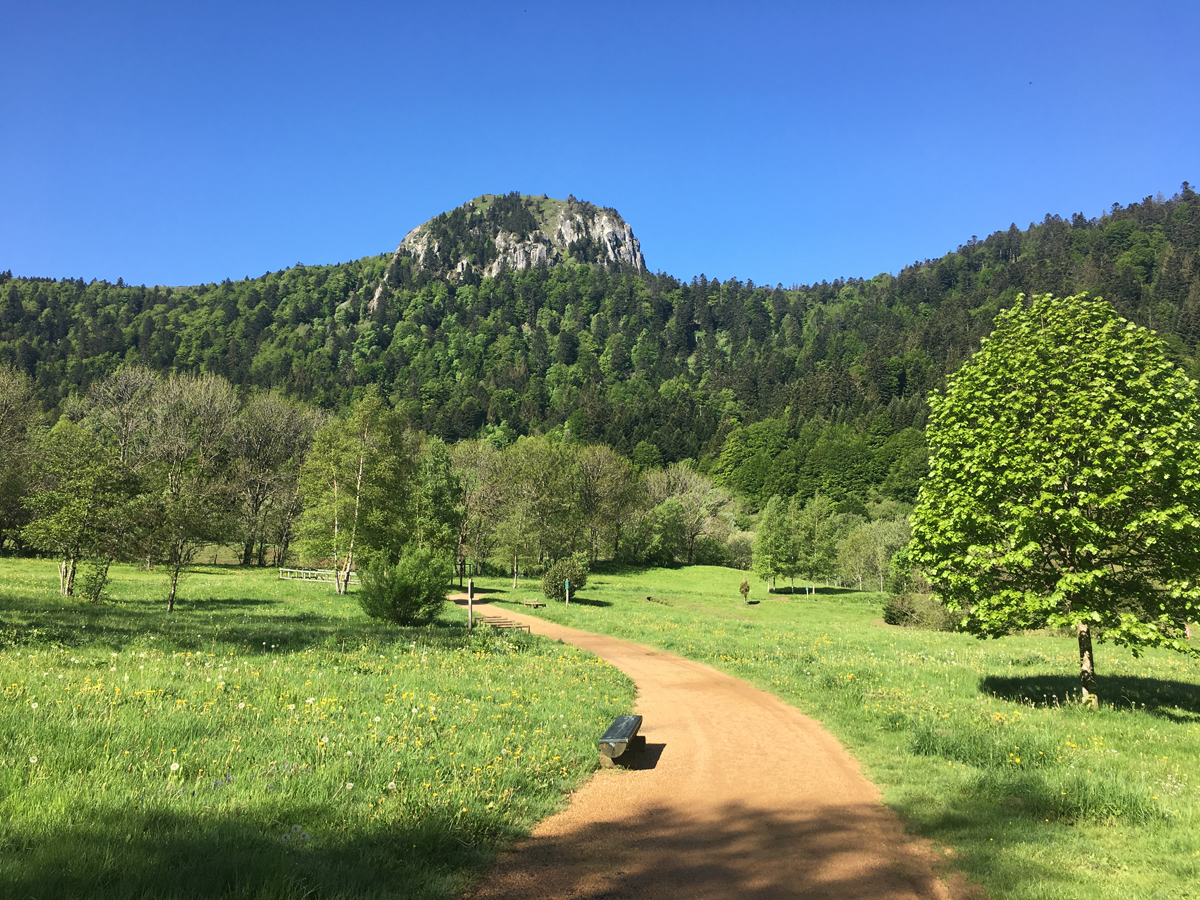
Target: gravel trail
x,y
737,795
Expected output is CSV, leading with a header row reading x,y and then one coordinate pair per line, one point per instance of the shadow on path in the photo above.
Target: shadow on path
x,y
742,852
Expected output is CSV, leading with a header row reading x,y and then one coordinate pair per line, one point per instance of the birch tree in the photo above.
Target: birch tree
x,y
350,487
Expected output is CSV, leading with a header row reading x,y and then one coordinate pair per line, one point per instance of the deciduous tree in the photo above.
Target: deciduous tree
x,y
1064,483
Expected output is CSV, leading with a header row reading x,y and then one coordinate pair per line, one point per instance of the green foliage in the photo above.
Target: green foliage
x,y
868,549
912,610
1064,487
93,587
463,358
574,569
78,501
817,530
774,552
410,592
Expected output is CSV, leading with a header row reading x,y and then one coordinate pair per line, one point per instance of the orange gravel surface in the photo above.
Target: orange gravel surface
x,y
736,795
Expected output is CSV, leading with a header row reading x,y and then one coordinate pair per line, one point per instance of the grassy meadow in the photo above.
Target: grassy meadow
x,y
979,745
268,740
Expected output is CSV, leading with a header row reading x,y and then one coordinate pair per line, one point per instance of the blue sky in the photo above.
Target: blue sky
x,y
175,143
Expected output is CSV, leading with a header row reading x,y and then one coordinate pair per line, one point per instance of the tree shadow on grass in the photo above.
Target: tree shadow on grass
x,y
588,601
617,568
479,591
167,850
518,605
264,627
161,852
1178,701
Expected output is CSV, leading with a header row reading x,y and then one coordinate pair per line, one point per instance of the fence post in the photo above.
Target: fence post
x,y
470,604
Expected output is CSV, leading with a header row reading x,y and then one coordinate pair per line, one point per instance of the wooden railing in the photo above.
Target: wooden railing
x,y
325,575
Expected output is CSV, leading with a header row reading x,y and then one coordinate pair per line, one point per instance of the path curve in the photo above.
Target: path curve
x,y
737,795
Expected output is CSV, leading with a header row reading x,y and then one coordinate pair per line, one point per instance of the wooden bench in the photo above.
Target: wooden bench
x,y
534,602
622,735
499,622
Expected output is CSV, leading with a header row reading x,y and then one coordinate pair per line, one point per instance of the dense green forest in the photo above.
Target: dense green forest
x,y
771,390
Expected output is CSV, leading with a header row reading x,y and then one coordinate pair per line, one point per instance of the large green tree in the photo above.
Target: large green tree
x,y
1064,482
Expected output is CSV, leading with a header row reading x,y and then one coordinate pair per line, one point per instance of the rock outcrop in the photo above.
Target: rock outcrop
x,y
498,232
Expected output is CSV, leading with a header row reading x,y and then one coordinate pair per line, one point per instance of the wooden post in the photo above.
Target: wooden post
x,y
470,604
567,583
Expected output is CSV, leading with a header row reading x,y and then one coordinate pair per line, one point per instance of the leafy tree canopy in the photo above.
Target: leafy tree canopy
x,y
1064,481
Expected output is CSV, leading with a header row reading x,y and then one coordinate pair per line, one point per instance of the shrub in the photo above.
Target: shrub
x,y
917,611
411,592
94,584
574,568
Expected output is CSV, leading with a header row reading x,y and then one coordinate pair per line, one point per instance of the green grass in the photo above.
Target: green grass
x,y
979,745
267,740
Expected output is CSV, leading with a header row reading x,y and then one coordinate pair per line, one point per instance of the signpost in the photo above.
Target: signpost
x,y
470,603
567,583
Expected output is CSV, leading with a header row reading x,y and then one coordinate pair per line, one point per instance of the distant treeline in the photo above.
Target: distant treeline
x,y
770,390
153,469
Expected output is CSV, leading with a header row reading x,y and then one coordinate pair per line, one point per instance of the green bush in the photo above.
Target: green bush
x,y
411,592
574,568
917,611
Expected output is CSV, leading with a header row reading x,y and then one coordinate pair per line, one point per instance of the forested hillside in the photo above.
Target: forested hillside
x,y
770,389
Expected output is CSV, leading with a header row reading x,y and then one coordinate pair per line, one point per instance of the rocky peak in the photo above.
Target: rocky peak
x,y
509,231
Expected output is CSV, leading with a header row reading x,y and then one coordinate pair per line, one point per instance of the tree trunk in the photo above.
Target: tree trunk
x,y
99,589
174,584
248,551
1087,667
344,587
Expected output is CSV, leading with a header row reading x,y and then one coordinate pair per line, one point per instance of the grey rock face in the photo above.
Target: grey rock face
x,y
561,223
553,231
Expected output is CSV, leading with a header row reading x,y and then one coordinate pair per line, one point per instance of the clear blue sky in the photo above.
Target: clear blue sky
x,y
174,143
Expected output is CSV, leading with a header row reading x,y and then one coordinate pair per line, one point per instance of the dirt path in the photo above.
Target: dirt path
x,y
737,795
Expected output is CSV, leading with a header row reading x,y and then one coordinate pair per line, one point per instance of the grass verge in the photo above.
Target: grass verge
x,y
981,746
267,740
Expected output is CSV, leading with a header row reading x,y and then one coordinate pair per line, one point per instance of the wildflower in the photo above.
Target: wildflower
x,y
33,759
349,785
377,718
241,706
325,740
391,785
286,838
310,701
295,829
304,836
291,706
174,767
33,706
